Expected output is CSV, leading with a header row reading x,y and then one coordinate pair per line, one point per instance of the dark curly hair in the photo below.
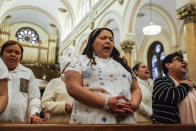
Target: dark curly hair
x,y
88,51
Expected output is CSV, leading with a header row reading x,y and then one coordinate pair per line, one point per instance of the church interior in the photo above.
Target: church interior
x,y
144,31
49,29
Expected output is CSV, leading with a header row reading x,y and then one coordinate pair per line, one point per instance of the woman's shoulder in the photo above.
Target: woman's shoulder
x,y
78,62
80,57
56,81
23,70
151,80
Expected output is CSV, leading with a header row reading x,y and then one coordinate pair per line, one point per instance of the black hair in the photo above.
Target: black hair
x,y
168,59
9,43
136,67
88,51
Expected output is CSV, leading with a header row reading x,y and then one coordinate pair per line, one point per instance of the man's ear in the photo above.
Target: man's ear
x,y
167,65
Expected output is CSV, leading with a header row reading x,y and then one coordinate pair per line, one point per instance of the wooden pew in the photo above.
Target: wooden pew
x,y
71,127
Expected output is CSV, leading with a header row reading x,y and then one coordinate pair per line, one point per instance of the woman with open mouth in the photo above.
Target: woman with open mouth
x,y
104,87
144,112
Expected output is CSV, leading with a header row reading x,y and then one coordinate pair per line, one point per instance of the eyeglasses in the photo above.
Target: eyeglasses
x,y
179,59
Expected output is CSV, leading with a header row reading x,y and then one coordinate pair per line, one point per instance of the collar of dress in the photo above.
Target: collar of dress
x,y
101,59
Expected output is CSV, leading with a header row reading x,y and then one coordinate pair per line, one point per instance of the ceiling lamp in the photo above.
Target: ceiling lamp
x,y
151,29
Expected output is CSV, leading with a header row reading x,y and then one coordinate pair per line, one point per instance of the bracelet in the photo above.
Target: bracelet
x,y
106,107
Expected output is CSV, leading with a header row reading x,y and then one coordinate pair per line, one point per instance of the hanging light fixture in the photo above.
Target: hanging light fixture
x,y
151,29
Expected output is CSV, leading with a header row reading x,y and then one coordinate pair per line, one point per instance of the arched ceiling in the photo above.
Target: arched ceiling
x,y
40,12
47,12
163,14
28,15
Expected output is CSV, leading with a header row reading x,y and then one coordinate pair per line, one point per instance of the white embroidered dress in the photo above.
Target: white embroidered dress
x,y
3,70
107,74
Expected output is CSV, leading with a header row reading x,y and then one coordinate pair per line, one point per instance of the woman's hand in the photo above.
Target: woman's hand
x,y
132,105
189,83
68,107
116,106
34,119
120,109
127,111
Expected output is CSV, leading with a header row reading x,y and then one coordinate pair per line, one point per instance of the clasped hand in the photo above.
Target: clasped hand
x,y
33,119
121,107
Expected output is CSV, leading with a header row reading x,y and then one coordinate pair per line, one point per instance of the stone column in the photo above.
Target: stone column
x,y
52,45
4,30
187,13
127,46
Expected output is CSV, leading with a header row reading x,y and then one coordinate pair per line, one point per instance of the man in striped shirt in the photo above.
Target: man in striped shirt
x,y
166,95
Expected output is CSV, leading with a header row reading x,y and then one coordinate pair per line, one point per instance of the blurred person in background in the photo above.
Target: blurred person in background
x,y
55,100
144,112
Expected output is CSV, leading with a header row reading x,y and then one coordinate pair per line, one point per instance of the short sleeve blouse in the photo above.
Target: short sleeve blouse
x,y
3,70
107,74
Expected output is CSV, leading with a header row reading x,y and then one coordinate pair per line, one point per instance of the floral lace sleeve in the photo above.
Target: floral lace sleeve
x,y
75,65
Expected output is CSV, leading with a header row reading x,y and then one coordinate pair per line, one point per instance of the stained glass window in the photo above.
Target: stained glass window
x,y
154,67
27,35
155,56
162,55
158,48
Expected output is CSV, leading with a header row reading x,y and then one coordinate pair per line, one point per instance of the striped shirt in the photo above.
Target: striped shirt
x,y
165,99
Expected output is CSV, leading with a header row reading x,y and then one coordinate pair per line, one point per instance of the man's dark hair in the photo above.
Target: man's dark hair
x,y
9,43
168,59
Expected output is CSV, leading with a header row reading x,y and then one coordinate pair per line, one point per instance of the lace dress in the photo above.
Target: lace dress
x,y
106,75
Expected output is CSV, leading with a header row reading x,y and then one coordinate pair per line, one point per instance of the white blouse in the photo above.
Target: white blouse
x,y
54,99
107,74
144,112
23,94
3,70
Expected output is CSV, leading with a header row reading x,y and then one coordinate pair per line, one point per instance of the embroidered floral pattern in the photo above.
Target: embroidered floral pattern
x,y
86,84
124,75
104,119
125,93
100,79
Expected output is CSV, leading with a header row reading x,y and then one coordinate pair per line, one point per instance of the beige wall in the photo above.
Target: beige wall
x,y
31,55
